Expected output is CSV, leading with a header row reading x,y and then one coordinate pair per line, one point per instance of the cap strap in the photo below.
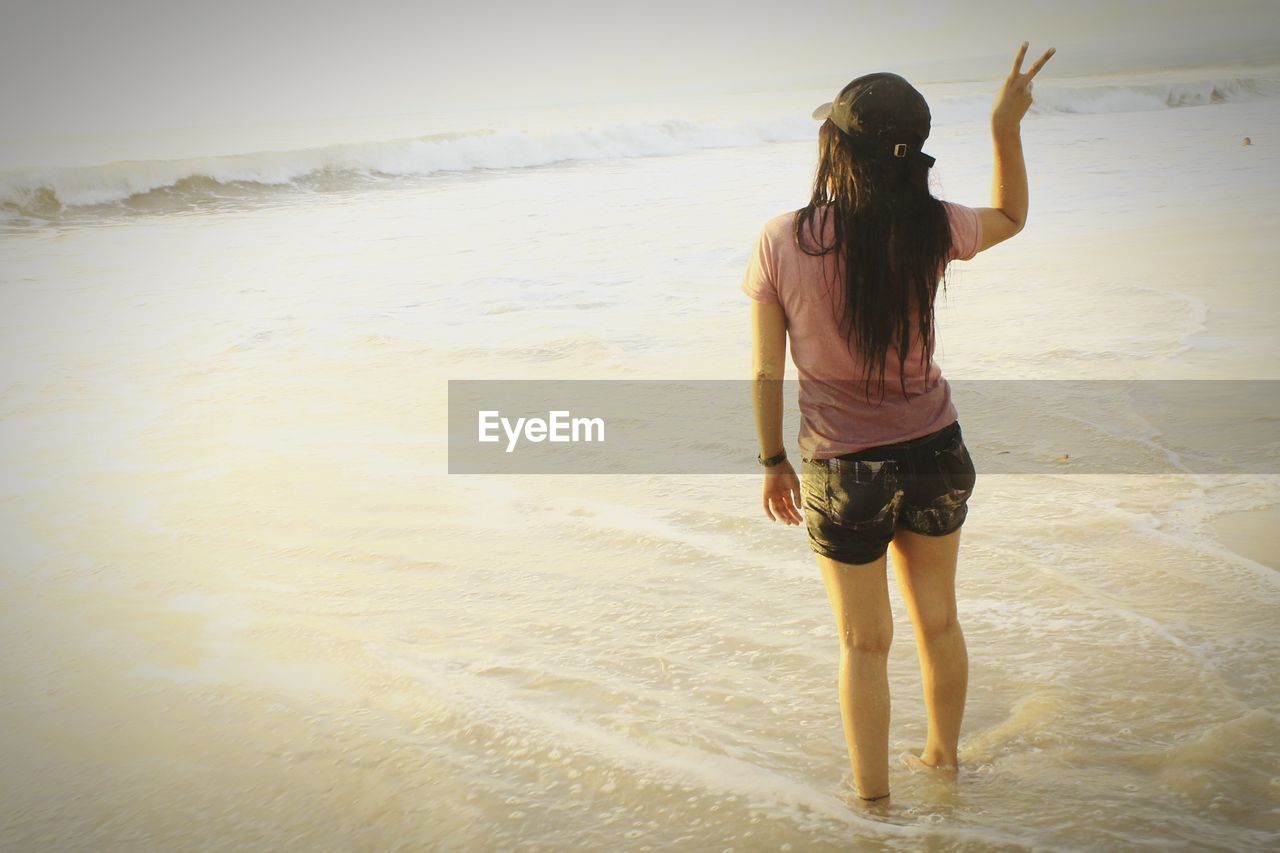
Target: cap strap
x,y
901,150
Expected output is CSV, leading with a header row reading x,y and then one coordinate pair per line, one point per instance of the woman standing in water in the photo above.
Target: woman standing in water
x,y
848,278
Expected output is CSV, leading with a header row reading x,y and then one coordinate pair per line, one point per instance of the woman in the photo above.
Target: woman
x,y
849,278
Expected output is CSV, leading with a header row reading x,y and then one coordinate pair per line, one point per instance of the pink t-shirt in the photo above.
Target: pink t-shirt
x,y
835,415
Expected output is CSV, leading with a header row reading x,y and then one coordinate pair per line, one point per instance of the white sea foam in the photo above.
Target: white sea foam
x,y
152,184
1152,96
48,190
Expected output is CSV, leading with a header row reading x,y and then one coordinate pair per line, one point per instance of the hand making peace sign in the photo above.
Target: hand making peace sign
x,y
1014,98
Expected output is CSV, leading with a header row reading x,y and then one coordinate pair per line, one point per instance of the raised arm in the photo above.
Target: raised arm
x,y
1008,212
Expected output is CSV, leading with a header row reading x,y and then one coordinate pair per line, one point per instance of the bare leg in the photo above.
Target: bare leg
x,y
926,570
859,596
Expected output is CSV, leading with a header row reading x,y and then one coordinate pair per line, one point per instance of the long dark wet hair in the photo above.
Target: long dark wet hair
x,y
895,238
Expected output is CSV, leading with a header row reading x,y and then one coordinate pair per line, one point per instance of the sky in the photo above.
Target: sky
x,y
85,66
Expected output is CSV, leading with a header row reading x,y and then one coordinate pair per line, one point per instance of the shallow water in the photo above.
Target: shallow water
x,y
245,604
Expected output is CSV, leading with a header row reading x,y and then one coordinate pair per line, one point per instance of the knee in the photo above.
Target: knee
x,y
875,642
935,625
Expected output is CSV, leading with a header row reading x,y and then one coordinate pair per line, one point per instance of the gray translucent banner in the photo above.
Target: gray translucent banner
x,y
1173,426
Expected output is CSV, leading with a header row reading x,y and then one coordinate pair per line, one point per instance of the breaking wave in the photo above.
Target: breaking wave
x,y
1154,96
47,192
165,184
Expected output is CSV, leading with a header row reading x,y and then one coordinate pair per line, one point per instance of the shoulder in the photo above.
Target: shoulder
x,y
772,240
778,232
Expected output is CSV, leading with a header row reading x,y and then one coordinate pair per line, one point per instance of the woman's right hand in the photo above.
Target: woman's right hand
x,y
1014,98
782,499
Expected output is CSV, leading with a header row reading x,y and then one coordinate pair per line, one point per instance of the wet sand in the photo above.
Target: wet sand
x,y
1252,534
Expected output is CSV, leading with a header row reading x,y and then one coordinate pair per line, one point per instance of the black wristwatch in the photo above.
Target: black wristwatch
x,y
772,460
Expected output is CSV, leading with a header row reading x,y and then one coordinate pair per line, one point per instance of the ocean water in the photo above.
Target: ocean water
x,y
246,606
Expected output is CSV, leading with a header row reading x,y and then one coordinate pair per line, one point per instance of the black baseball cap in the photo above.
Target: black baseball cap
x,y
882,108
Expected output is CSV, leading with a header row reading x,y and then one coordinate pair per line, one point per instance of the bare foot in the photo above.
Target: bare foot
x,y
916,764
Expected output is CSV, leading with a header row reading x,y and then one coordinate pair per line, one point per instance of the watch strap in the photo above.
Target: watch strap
x,y
772,460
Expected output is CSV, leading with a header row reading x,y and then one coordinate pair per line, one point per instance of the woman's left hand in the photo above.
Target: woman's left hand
x,y
782,493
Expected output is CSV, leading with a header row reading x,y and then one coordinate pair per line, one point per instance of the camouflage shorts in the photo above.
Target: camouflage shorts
x,y
854,504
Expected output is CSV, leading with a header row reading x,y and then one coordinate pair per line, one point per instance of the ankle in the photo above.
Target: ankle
x,y
940,759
